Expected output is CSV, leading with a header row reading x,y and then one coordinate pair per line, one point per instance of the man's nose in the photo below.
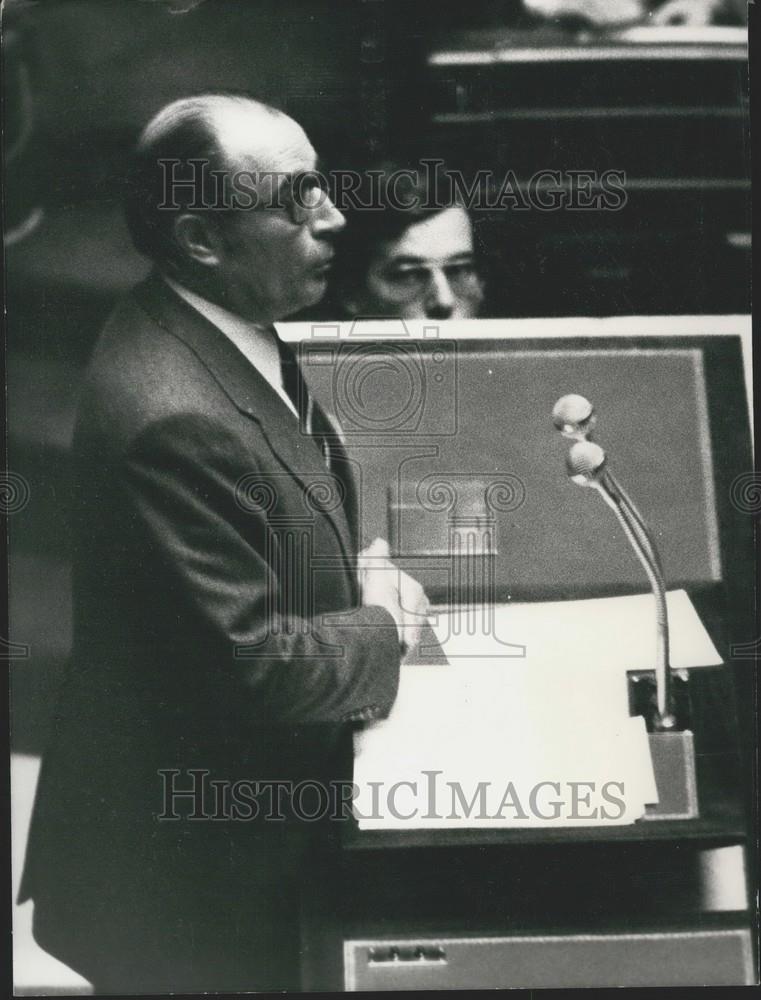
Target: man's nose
x,y
440,300
327,218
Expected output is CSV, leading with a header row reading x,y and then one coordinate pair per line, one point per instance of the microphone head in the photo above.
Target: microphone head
x,y
586,463
574,416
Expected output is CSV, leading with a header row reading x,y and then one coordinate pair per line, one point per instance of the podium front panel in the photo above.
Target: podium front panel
x,y
691,958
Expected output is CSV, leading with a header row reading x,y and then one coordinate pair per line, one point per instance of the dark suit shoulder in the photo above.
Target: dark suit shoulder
x,y
141,373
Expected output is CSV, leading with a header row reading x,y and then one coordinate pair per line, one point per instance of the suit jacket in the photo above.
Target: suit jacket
x,y
217,629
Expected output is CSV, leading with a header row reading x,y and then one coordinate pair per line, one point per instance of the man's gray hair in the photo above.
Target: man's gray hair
x,y
172,167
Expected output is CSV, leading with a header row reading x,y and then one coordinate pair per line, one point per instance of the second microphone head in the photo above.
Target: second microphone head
x,y
586,463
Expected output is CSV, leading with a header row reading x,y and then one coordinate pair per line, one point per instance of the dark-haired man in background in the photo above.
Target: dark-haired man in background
x,y
411,255
207,645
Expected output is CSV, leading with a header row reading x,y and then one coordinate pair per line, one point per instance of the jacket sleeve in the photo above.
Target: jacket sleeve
x,y
180,479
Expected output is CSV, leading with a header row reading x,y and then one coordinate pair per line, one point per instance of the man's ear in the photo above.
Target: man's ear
x,y
197,238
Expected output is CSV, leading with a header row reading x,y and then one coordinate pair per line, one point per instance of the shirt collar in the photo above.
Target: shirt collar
x,y
257,343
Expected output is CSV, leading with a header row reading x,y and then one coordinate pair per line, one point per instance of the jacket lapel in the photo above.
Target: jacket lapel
x,y
247,390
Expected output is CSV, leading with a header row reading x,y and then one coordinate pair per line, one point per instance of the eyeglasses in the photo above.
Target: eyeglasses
x,y
301,194
404,282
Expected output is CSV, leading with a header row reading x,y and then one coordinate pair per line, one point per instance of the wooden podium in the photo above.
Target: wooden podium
x,y
660,902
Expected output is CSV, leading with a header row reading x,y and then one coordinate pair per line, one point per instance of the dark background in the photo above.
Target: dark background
x,y
83,77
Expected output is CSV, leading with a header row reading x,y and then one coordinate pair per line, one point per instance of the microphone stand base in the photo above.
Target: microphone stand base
x,y
673,757
643,699
672,750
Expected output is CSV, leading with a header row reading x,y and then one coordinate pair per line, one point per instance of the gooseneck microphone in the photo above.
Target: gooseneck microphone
x,y
628,505
575,417
587,466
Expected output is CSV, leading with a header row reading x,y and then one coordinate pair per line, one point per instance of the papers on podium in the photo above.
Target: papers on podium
x,y
613,633
539,735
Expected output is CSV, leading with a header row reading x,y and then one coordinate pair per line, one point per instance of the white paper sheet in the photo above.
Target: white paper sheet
x,y
615,633
544,739
475,734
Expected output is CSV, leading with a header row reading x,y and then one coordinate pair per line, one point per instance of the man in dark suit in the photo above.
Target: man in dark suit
x,y
222,630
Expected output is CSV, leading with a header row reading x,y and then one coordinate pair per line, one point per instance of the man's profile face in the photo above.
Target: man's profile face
x,y
429,272
277,256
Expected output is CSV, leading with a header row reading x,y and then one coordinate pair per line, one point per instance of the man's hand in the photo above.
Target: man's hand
x,y
603,13
686,12
385,584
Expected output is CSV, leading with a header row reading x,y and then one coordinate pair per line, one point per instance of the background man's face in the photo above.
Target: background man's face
x,y
428,272
277,256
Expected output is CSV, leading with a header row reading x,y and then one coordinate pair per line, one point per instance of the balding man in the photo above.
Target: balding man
x,y
224,642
